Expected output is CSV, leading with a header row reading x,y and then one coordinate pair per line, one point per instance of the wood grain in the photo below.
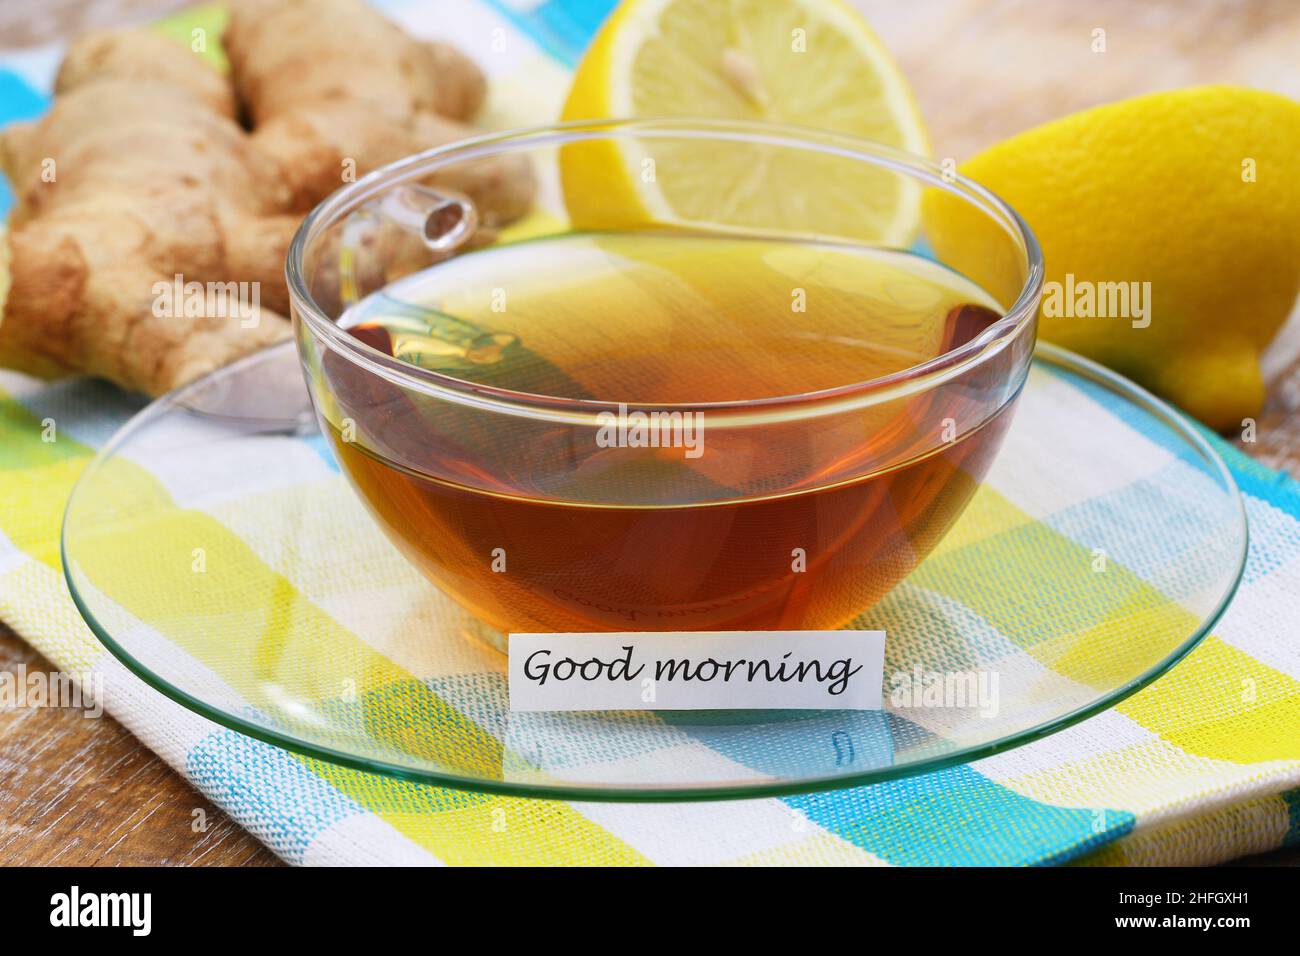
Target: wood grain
x,y
78,791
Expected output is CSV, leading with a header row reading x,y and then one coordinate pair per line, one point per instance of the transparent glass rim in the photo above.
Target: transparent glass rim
x,y
1017,321
241,723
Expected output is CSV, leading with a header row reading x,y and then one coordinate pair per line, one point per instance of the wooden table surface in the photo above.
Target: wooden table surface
x,y
84,791
78,791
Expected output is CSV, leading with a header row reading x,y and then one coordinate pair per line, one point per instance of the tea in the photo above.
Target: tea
x,y
778,520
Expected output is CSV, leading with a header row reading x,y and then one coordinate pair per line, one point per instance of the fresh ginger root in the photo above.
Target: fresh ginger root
x,y
146,182
380,95
140,173
142,55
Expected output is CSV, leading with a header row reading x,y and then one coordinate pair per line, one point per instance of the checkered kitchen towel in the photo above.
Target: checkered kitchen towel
x,y
1188,771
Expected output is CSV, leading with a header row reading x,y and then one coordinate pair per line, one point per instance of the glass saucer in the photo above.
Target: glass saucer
x,y
218,553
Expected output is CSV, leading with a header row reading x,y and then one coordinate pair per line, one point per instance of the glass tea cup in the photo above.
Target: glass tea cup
x,y
717,377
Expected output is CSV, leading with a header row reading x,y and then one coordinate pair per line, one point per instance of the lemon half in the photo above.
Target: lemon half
x,y
811,63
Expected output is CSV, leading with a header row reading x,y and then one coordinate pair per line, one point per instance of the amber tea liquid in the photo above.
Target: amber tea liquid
x,y
764,528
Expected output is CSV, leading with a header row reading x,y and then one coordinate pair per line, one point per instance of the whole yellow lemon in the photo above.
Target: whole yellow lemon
x,y
1170,227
